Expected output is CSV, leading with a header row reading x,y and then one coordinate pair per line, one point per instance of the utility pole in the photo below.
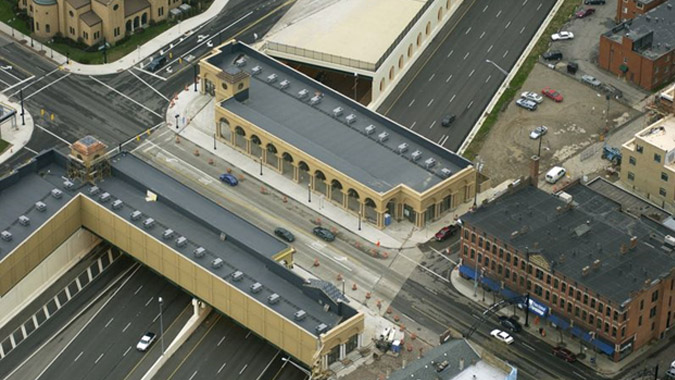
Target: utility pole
x,y
161,324
527,280
261,162
23,121
195,78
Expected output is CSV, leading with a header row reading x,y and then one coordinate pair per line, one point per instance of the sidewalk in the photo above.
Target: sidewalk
x,y
16,134
196,123
186,27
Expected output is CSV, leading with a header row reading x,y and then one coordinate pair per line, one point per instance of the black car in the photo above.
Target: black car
x,y
447,120
155,64
552,55
284,234
510,323
594,2
323,233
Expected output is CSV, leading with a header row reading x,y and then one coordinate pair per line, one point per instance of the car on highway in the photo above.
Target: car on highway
x,y
284,234
538,132
585,12
594,2
502,336
447,120
553,175
146,341
229,179
510,323
591,80
553,94
527,104
155,64
563,35
552,55
533,96
446,232
564,354
323,233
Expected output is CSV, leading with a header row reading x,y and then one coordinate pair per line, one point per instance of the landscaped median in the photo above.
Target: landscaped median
x,y
563,15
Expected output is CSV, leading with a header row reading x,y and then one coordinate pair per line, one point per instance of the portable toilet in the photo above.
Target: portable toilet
x,y
387,219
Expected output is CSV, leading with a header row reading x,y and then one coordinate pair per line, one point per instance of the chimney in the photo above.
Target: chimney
x,y
633,242
534,170
596,264
585,270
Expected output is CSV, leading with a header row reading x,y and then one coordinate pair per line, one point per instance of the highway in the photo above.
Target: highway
x,y
452,75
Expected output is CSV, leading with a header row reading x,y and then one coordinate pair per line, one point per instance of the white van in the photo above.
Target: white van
x,y
555,174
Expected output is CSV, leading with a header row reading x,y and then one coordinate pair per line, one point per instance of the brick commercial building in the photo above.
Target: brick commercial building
x,y
628,9
642,50
596,261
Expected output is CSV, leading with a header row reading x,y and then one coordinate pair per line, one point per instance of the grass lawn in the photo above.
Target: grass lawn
x,y
8,17
3,145
564,13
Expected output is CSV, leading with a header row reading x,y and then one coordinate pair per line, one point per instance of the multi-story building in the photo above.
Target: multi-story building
x,y
665,100
647,165
642,50
94,21
628,9
596,261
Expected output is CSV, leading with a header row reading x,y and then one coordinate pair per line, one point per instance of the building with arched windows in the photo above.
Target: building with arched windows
x,y
340,150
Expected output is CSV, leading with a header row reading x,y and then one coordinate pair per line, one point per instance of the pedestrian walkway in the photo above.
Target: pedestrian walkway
x,y
192,117
185,27
16,132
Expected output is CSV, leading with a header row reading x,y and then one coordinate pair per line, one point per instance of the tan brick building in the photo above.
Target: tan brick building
x,y
628,9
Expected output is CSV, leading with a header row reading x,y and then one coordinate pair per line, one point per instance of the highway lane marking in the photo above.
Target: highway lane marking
x,y
243,369
329,257
505,53
413,125
220,341
507,25
215,322
221,367
449,54
430,101
485,9
448,80
53,134
443,139
268,365
481,35
125,95
148,303
127,351
4,82
78,356
247,335
193,374
529,347
488,78
431,77
46,86
490,48
498,13
453,98
539,7
126,327
109,322
10,74
411,102
578,374
470,104
467,31
524,2
138,290
471,73
467,55
98,359
148,84
432,124
522,30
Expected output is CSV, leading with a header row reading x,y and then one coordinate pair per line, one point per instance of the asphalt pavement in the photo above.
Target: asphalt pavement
x,y
453,77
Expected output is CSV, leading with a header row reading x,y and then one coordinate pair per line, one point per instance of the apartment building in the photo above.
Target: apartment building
x,y
628,9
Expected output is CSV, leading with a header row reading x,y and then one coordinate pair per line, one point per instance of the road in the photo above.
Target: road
x,y
452,75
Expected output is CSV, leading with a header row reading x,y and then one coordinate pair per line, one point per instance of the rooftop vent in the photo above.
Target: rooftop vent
x,y
300,315
148,223
40,206
321,328
24,220
199,252
303,93
273,298
56,193
445,172
633,242
94,190
350,118
337,111
316,99
6,235
136,215
240,62
402,148
217,263
271,78
181,241
442,365
382,137
167,234
565,197
104,197
117,204
585,271
669,241
238,275
596,264
68,185
416,155
256,70
256,288
370,129
430,162
284,83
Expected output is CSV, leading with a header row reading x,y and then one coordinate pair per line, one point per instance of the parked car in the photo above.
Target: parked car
x,y
553,175
533,96
585,12
323,233
510,323
553,94
446,232
146,341
447,120
552,55
229,179
527,104
284,234
591,80
594,2
670,374
155,64
538,132
564,354
562,36
502,336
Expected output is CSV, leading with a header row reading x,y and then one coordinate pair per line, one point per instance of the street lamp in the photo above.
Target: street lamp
x,y
288,360
479,169
309,192
261,160
195,76
356,84
177,116
161,324
498,67
527,288
475,275
482,275
23,121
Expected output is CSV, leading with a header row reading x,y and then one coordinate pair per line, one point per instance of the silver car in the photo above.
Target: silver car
x,y
533,96
527,104
538,132
564,35
591,80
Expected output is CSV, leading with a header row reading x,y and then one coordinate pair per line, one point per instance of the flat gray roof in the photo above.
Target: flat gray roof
x,y
452,353
571,238
202,222
332,139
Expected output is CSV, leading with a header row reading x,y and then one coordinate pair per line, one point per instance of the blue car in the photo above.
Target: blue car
x,y
229,179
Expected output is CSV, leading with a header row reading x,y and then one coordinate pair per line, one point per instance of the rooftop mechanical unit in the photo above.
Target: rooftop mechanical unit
x,y
68,185
256,70
237,276
136,215
321,328
199,252
181,241
6,235
300,315
402,148
273,298
416,155
284,84
316,99
370,129
271,78
445,172
24,220
94,190
40,206
56,193
256,288
167,234
337,111
117,204
382,137
104,197
430,162
148,223
240,62
351,118
217,263
303,93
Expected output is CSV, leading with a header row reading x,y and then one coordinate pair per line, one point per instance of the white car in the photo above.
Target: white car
x,y
591,80
533,96
502,336
146,341
538,132
553,175
562,36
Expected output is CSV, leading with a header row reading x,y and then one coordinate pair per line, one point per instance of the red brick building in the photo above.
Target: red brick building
x,y
593,266
628,9
642,50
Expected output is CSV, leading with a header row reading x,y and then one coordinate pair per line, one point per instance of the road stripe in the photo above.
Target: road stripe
x,y
124,95
148,84
490,48
578,374
485,9
482,35
470,104
539,6
78,356
138,290
46,86
221,367
524,2
507,25
98,359
505,53
529,347
148,302
432,124
466,56
243,369
488,78
220,341
498,13
268,365
30,150
467,31
17,84
149,73
413,125
193,374
126,327
127,351
411,102
448,80
432,77
471,73
329,257
430,101
453,98
247,335
10,74
449,54
522,30
109,322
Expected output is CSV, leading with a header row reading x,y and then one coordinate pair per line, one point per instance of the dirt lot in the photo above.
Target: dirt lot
x,y
574,124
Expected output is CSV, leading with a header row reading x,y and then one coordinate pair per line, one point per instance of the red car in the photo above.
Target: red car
x,y
553,94
585,12
446,232
564,354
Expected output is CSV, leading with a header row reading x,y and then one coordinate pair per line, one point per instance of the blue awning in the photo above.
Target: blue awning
x,y
559,321
510,294
467,271
577,331
492,284
604,347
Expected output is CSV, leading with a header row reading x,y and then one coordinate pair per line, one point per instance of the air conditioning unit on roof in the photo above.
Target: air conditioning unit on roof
x,y
350,118
316,99
217,263
300,315
104,197
117,204
430,162
271,78
370,129
240,62
337,111
284,84
181,241
416,155
445,172
24,220
199,252
56,193
93,190
256,70
256,288
402,148
136,215
383,136
303,93
40,206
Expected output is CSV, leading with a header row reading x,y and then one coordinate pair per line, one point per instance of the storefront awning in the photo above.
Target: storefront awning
x,y
467,271
559,321
604,347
